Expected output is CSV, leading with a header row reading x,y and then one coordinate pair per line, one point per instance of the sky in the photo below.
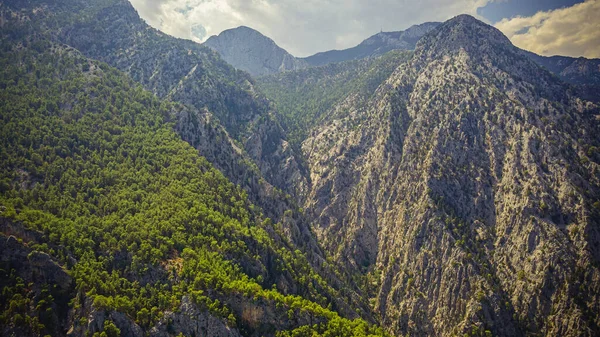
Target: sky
x,y
305,27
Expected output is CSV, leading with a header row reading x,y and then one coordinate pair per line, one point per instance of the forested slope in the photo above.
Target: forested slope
x,y
111,222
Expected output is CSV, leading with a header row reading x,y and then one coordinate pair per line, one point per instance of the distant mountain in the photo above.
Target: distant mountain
x,y
582,73
249,50
376,45
573,70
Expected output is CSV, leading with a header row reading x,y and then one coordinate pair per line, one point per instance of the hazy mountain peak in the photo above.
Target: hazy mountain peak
x,y
247,49
417,31
240,30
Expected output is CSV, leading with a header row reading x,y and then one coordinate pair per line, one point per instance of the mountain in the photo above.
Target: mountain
x,y
574,70
118,215
376,45
464,190
583,73
304,99
249,50
226,119
148,188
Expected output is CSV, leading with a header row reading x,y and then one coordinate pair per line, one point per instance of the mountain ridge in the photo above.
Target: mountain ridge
x,y
582,72
374,46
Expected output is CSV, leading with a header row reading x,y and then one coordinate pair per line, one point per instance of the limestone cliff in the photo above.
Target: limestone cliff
x,y
470,186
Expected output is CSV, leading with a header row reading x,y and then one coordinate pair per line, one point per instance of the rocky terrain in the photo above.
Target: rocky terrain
x,y
249,50
467,188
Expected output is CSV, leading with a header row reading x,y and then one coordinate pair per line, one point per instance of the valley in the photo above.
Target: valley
x,y
437,181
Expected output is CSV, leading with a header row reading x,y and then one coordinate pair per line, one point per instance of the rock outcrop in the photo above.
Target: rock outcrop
x,y
31,281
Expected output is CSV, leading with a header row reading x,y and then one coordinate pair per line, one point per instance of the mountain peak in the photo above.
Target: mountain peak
x,y
418,31
462,32
239,31
247,49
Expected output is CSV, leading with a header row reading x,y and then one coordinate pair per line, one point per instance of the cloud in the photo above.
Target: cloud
x,y
303,27
571,31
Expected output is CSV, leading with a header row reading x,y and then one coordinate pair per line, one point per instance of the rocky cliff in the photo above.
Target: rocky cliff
x,y
468,188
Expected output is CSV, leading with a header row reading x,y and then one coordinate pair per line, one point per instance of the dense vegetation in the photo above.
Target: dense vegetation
x,y
139,220
304,98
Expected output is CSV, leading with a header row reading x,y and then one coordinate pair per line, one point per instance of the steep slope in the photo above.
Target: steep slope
x,y
225,118
469,192
376,45
112,225
248,50
178,70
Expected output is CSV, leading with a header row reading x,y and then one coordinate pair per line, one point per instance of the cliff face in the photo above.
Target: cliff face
x,y
249,50
470,183
33,282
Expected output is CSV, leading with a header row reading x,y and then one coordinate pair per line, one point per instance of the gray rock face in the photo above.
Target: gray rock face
x,y
375,45
469,186
188,320
249,50
192,322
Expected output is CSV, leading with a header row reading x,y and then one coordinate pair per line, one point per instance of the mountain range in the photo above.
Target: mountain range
x,y
249,50
432,182
375,45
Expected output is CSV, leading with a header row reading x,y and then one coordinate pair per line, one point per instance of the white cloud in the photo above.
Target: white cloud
x,y
303,27
571,31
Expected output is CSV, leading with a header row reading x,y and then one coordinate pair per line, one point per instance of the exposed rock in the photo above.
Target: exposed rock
x,y
48,286
190,321
469,186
